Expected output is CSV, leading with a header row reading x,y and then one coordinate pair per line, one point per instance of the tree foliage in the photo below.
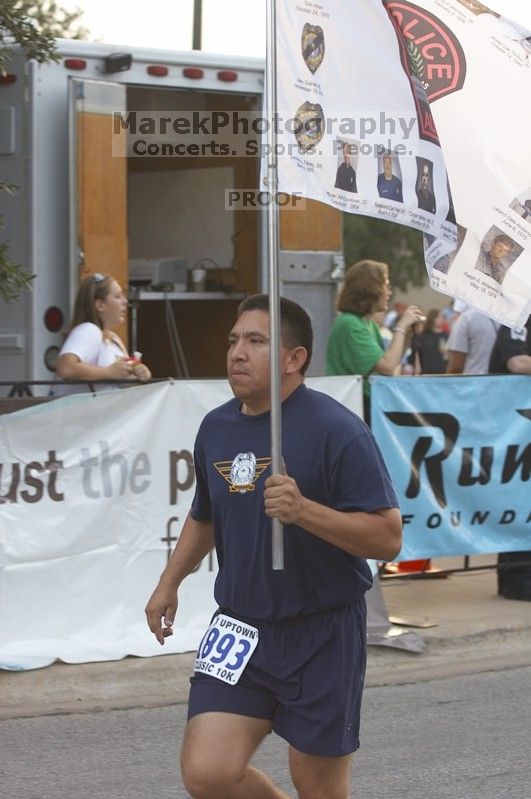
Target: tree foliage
x,y
13,277
16,26
399,246
34,26
51,19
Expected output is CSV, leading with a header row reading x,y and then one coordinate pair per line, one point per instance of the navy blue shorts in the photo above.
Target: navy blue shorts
x,y
306,675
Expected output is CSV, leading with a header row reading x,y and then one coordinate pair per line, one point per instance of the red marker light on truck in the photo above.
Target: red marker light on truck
x,y
193,72
53,319
228,75
157,70
7,77
75,63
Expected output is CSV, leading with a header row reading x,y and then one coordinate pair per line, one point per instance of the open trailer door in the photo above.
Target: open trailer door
x,y
98,184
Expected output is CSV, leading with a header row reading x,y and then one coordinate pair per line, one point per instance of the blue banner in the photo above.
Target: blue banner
x,y
459,453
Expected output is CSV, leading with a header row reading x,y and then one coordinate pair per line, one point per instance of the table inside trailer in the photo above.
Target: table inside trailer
x,y
194,325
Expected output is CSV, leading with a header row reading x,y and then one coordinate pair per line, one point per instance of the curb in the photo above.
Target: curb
x,y
162,681
478,652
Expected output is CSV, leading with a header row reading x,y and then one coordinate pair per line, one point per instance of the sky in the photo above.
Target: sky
x,y
235,27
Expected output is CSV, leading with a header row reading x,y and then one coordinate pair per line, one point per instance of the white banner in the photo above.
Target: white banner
x,y
94,490
416,113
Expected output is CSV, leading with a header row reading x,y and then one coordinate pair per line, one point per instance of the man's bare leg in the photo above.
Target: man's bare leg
x,y
319,777
215,758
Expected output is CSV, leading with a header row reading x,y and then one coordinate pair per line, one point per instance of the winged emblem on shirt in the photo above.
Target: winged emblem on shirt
x,y
242,473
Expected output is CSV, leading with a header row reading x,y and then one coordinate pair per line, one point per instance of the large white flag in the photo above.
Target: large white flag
x,y
418,113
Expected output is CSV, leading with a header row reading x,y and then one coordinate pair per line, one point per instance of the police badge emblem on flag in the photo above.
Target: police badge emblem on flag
x,y
309,125
312,46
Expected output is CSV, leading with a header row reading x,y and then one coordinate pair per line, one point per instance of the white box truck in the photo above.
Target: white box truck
x,y
87,202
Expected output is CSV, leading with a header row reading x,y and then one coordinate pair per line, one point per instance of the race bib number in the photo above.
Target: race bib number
x,y
226,649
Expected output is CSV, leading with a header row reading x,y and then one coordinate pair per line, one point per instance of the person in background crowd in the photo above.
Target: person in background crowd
x,y
303,678
411,360
470,343
92,350
426,355
355,345
430,345
385,332
450,313
393,314
511,354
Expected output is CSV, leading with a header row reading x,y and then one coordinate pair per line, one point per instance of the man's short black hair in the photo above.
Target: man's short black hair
x,y
503,239
295,324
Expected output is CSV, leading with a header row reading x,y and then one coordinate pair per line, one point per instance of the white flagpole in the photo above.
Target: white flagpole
x,y
274,282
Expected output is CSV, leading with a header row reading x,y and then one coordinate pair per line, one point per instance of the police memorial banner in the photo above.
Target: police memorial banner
x,y
459,453
94,490
417,113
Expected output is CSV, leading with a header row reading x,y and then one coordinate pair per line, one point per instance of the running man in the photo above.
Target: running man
x,y
286,650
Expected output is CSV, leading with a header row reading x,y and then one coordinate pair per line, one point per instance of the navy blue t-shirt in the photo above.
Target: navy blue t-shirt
x,y
332,455
509,343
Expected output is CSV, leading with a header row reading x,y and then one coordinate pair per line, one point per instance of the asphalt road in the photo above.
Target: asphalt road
x,y
460,738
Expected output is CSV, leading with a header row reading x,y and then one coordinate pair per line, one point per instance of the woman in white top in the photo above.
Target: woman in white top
x,y
92,350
